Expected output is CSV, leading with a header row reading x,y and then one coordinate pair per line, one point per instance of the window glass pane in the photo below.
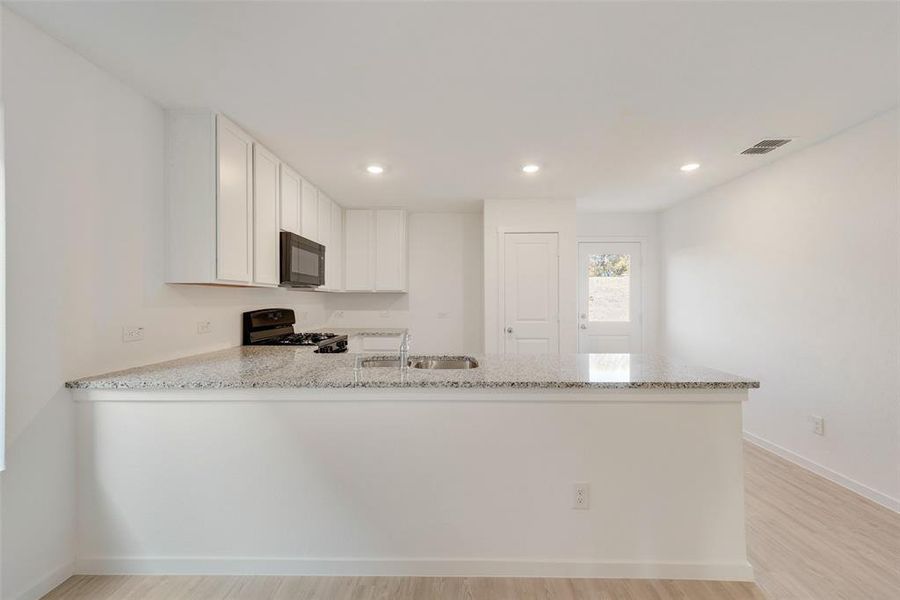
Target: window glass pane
x,y
609,287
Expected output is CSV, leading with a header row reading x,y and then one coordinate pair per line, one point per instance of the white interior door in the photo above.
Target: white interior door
x,y
530,293
609,297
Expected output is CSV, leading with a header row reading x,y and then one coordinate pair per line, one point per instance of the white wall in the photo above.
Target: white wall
x,y
443,309
84,162
790,275
546,216
632,227
446,284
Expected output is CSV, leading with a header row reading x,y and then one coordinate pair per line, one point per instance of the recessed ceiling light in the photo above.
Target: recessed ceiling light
x,y
531,168
690,167
375,169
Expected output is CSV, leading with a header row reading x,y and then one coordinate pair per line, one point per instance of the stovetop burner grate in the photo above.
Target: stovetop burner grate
x,y
275,327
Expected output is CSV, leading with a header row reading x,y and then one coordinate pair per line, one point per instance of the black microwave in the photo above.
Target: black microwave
x,y
302,261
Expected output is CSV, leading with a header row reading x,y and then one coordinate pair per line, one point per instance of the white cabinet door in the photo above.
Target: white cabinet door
x,y
265,216
309,213
324,232
290,183
390,250
379,343
358,246
234,203
334,257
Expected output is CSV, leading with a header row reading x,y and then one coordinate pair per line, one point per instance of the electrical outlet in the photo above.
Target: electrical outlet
x,y
581,496
132,334
338,314
818,424
384,314
204,327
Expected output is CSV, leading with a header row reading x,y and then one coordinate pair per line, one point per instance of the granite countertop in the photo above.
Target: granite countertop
x,y
363,331
300,367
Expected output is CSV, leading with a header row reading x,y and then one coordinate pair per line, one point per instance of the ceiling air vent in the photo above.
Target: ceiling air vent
x,y
765,146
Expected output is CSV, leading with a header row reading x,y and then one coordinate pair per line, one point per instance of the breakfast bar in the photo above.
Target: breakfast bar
x,y
280,460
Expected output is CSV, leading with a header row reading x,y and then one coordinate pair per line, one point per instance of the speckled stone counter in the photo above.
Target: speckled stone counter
x,y
280,367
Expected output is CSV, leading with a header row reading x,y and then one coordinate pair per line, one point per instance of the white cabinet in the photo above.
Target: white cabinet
x,y
334,256
209,200
359,265
227,198
234,208
324,232
290,183
361,343
379,343
309,211
390,250
265,216
375,250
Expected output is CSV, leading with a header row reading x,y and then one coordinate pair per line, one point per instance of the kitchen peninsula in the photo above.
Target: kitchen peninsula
x,y
278,460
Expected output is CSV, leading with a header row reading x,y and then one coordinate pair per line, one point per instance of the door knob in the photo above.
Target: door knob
x,y
583,326
509,330
583,316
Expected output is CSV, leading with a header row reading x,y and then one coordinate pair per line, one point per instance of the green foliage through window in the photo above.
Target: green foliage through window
x,y
609,265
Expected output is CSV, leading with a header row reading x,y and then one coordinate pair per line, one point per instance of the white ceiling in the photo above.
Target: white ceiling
x,y
610,98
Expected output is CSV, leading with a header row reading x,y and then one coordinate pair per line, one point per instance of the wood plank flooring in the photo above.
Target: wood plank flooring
x,y
85,587
809,539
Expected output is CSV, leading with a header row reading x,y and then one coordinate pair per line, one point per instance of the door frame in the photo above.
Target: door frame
x,y
501,283
642,241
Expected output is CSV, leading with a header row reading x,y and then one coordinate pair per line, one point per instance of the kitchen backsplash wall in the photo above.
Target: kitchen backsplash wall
x,y
444,306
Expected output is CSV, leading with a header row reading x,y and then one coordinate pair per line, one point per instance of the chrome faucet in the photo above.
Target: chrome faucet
x,y
404,351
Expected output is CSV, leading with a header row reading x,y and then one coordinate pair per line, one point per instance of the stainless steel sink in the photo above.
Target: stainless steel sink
x,y
452,362
380,362
422,362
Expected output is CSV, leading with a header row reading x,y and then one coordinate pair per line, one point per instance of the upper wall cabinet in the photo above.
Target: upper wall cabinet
x,y
323,230
359,264
334,255
390,250
234,203
209,198
266,184
227,198
290,186
375,250
309,211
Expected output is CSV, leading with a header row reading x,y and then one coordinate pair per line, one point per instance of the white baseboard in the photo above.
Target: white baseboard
x,y
833,476
47,583
740,571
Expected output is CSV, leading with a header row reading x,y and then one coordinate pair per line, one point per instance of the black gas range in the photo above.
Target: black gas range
x,y
275,327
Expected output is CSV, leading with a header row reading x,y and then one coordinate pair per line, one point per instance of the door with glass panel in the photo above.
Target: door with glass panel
x,y
609,297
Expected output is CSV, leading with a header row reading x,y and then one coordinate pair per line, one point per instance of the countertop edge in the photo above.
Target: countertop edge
x,y
523,385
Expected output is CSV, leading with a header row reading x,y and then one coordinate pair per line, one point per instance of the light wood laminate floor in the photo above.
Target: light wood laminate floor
x,y
809,540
